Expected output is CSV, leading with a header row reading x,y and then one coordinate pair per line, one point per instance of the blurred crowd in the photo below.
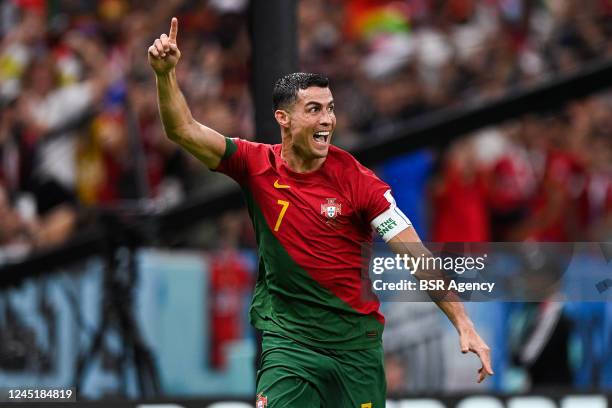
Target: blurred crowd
x,y
540,178
79,126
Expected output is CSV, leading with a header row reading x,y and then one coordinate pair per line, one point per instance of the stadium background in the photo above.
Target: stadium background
x,y
127,267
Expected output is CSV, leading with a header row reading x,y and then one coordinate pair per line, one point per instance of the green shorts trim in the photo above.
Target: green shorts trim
x,y
299,376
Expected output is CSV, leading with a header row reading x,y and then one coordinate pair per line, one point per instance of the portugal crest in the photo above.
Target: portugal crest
x,y
262,402
331,209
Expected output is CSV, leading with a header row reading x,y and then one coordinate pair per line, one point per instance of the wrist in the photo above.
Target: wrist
x,y
464,326
166,75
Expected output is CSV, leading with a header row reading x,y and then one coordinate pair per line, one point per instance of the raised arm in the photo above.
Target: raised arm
x,y
180,126
408,242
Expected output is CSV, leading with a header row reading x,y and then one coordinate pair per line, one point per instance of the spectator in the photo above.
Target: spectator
x,y
390,61
459,197
230,280
47,108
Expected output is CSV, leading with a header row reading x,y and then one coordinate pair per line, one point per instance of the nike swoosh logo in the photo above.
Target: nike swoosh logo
x,y
276,185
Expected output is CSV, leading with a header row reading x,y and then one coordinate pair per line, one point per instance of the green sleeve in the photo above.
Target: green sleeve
x,y
230,148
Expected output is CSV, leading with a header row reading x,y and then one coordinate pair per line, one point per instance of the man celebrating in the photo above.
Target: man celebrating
x,y
312,206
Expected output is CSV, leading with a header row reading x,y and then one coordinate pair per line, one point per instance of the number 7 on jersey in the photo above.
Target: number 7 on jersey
x,y
285,205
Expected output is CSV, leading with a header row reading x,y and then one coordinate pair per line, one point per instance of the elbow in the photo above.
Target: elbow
x,y
178,133
172,135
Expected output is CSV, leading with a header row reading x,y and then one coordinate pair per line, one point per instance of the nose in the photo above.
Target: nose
x,y
326,118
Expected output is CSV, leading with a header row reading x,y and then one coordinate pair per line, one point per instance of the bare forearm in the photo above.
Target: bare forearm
x,y
203,142
173,109
447,300
455,312
180,126
415,249
409,243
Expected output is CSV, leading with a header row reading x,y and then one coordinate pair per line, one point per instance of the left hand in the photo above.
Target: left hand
x,y
164,53
469,340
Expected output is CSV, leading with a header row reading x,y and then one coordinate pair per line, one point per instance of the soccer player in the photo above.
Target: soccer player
x,y
312,206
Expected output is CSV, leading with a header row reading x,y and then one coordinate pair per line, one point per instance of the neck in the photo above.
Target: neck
x,y
296,161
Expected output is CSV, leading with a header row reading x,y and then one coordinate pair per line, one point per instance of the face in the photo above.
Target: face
x,y
42,80
311,122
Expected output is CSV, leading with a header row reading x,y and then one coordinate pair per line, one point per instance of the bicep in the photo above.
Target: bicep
x,y
204,143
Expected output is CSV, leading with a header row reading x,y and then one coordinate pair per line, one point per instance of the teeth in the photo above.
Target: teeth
x,y
321,137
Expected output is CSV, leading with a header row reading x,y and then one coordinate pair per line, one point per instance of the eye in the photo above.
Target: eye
x,y
313,109
331,108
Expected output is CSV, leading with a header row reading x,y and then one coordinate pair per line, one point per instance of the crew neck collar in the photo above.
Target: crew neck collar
x,y
284,166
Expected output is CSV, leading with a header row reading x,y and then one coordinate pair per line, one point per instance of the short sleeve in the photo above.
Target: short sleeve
x,y
373,195
234,162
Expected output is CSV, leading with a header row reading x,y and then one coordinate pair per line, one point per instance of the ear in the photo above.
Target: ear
x,y
282,117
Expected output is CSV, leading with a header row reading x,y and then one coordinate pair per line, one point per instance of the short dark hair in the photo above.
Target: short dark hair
x,y
286,89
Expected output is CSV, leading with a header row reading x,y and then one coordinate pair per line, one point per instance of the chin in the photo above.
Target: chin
x,y
320,153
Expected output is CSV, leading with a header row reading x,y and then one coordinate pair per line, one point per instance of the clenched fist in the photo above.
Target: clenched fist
x,y
164,53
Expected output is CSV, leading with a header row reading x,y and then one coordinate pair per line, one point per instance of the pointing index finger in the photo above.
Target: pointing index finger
x,y
173,30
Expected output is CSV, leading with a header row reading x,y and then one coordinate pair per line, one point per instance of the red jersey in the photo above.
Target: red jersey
x,y
310,230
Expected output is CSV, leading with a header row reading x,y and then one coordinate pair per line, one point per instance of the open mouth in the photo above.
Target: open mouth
x,y
321,137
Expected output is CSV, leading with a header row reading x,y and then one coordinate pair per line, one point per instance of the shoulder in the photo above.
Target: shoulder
x,y
345,162
247,144
248,147
256,156
365,189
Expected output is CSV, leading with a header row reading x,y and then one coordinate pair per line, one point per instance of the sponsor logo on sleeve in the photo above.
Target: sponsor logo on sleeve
x,y
386,226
